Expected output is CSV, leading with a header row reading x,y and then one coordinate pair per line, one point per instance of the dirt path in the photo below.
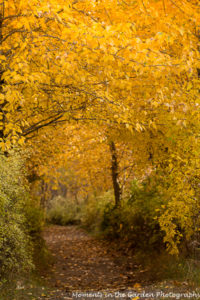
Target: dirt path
x,y
83,263
87,268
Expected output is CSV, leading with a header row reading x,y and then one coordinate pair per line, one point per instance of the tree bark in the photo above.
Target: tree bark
x,y
115,173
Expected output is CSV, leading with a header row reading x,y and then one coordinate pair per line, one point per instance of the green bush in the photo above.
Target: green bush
x,y
62,211
18,220
34,216
93,211
135,219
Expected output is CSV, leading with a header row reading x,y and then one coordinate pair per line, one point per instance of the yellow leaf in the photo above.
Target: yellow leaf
x,y
137,286
189,86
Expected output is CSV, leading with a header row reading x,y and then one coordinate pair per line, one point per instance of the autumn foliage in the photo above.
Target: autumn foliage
x,y
107,92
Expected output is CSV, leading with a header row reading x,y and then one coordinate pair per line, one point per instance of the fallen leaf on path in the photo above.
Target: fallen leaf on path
x,y
137,286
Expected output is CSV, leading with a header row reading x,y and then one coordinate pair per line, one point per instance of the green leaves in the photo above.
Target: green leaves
x,y
15,253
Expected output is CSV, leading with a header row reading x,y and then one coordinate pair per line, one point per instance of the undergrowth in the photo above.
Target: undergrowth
x,y
21,222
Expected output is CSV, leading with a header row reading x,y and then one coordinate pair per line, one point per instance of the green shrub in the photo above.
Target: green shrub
x,y
15,241
93,210
62,211
135,219
34,217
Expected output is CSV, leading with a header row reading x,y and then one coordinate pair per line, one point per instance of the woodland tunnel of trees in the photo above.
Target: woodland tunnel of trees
x,y
99,122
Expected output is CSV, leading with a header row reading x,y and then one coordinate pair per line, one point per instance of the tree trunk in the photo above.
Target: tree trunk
x,y
115,174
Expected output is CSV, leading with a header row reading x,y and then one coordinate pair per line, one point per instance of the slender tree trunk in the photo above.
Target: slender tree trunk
x,y
115,174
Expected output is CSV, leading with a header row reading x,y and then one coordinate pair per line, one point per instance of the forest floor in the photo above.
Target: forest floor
x,y
84,267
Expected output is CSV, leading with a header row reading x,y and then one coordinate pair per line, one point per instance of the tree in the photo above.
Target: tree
x,y
122,65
